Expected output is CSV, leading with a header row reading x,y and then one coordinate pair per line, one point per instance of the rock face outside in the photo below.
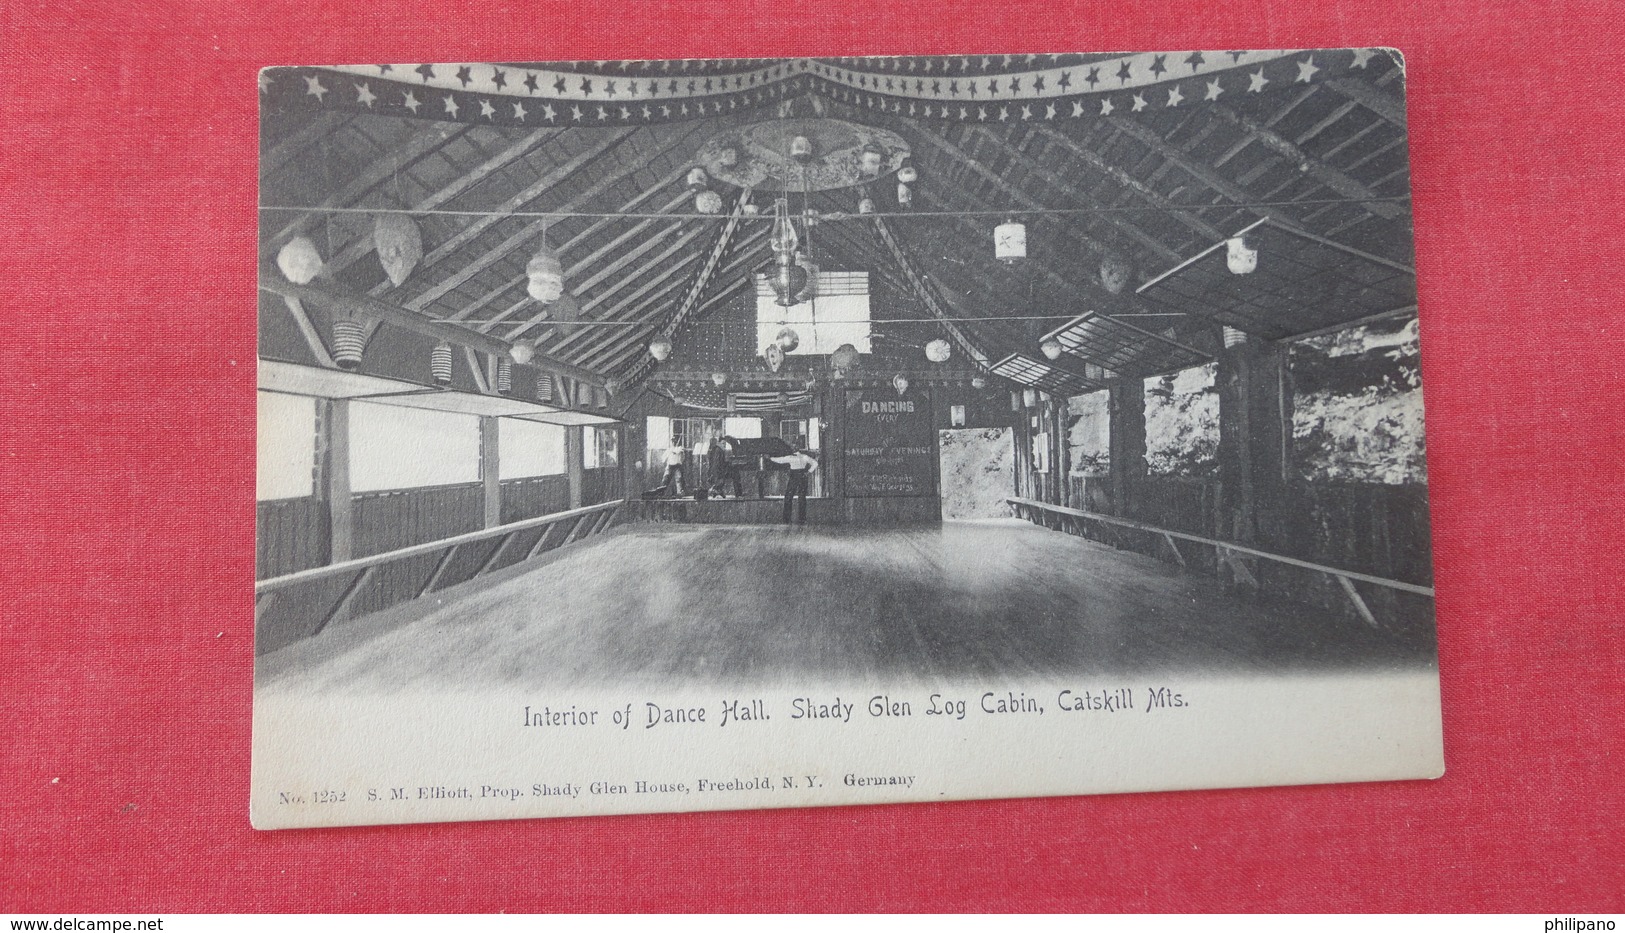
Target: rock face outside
x,y
977,472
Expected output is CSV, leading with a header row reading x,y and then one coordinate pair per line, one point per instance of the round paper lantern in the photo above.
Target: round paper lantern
x,y
1010,241
845,357
708,202
521,353
1241,258
399,244
349,337
787,339
719,379
908,173
866,206
1114,274
905,197
774,354
299,260
546,275
900,383
978,382
938,351
871,159
660,348
697,177
440,363
1052,349
801,149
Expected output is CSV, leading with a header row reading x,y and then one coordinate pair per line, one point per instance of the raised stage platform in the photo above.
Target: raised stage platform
x,y
770,511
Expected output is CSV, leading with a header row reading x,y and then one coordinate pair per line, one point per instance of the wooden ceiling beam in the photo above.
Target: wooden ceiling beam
x,y
1334,178
370,177
462,183
728,291
481,224
1129,183
703,277
629,280
1368,96
1081,197
322,124
366,306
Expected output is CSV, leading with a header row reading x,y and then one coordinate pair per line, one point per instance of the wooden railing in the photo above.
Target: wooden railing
x,y
321,595
1229,552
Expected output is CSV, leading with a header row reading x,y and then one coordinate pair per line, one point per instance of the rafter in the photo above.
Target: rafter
x,y
1079,196
364,245
323,123
370,177
1130,183
1369,97
703,277
1334,178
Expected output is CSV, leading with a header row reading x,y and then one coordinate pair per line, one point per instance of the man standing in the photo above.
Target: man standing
x,y
673,458
800,464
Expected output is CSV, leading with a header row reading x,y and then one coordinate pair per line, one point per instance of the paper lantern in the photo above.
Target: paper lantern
x,y
905,197
719,379
1233,337
440,363
504,377
544,388
660,348
978,382
399,244
1010,241
1241,258
708,202
787,339
349,337
866,206
908,173
1052,349
521,353
1029,398
750,210
546,275
809,290
871,159
299,260
938,351
801,149
697,178
845,357
1114,274
900,383
774,354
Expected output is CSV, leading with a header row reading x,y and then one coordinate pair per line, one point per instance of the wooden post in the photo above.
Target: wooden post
x,y
491,471
1251,443
336,470
572,463
1127,443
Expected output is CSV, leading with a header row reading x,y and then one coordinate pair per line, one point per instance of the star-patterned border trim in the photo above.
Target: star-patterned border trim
x,y
949,88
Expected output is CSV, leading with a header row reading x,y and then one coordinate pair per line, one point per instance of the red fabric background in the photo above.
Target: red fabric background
x,y
126,491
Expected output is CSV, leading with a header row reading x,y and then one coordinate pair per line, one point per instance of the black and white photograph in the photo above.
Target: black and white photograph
x,y
645,436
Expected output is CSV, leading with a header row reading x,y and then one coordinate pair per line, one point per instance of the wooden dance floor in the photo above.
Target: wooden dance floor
x,y
754,604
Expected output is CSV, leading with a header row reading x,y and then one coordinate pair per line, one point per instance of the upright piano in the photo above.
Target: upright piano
x,y
750,455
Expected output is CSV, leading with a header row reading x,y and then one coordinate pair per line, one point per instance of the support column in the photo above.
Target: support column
x,y
491,471
572,463
1127,443
1252,440
336,476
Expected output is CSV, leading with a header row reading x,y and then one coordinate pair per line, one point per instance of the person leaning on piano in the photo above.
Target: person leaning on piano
x,y
723,467
801,464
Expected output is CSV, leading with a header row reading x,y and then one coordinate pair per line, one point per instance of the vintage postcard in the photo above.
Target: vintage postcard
x,y
686,435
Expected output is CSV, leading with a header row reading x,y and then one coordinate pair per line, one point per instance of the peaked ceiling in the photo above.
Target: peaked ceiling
x,y
1116,164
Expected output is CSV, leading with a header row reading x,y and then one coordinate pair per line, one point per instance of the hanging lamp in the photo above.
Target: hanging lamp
x,y
660,348
1010,241
1239,256
938,351
440,364
399,243
299,260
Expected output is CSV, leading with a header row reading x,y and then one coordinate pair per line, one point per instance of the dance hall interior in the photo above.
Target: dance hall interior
x,y
755,370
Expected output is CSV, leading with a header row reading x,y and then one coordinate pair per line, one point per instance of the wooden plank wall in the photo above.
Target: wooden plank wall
x,y
292,536
534,496
397,518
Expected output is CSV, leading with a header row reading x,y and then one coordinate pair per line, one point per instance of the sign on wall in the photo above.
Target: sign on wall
x,y
890,446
